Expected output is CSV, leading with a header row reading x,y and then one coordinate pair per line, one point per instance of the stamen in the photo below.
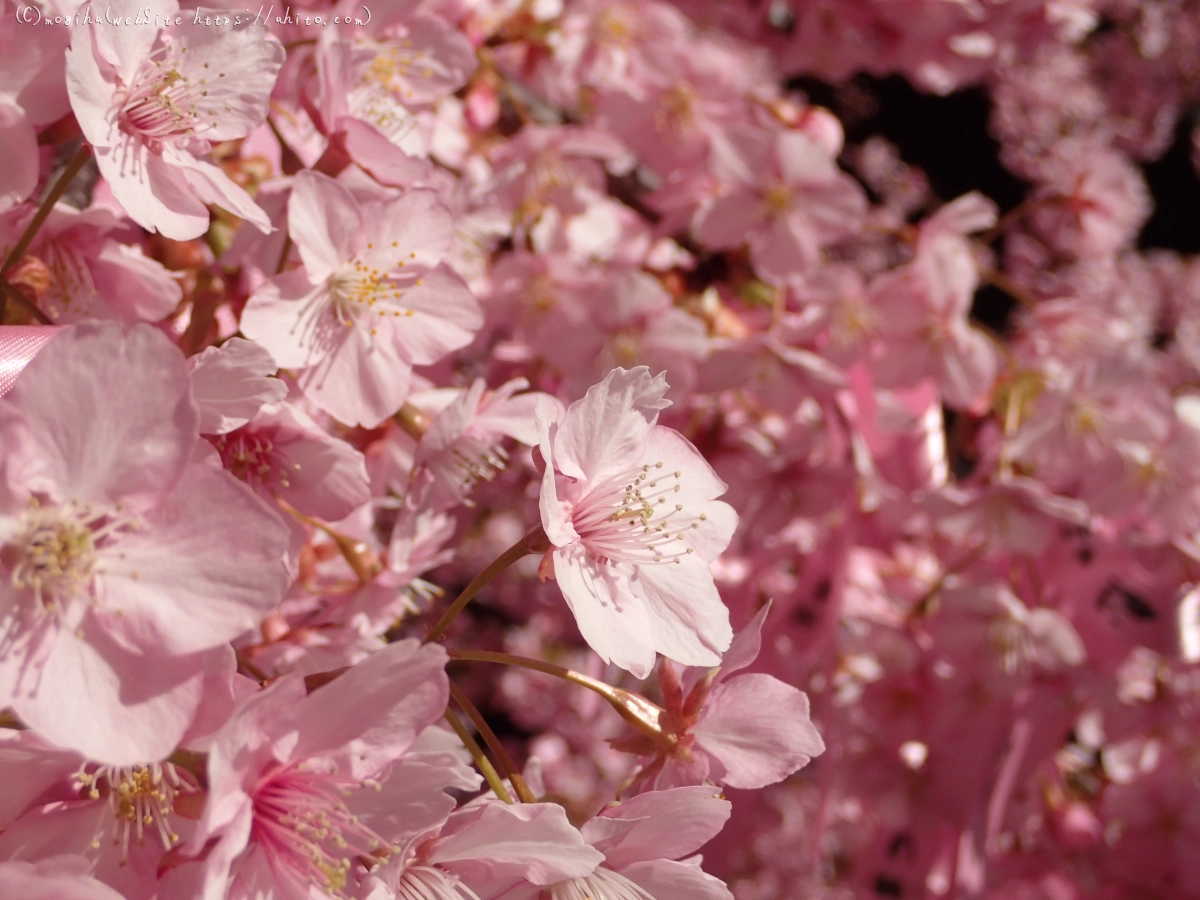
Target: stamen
x,y
427,883
301,821
53,559
629,518
140,797
601,884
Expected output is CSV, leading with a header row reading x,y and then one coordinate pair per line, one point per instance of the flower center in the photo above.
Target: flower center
x,y
357,287
602,884
59,556
777,199
302,823
252,457
470,460
614,26
140,797
676,109
163,103
366,101
635,517
54,555
395,62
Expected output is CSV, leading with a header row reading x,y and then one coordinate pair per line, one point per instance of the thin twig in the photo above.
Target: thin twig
x,y
522,548
493,742
78,161
485,765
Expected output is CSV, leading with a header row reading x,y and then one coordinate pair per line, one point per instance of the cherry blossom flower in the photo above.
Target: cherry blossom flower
x,y
122,556
463,443
396,65
631,510
923,310
784,195
90,274
151,103
746,732
231,383
372,299
293,778
121,820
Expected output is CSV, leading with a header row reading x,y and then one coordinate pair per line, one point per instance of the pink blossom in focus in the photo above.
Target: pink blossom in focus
x,y
293,778
152,105
631,510
372,299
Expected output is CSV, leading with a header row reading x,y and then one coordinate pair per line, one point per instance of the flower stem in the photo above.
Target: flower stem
x,y
78,161
534,539
633,708
284,254
485,766
493,743
358,555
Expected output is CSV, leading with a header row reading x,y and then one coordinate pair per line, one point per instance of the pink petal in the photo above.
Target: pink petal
x,y
615,625
361,382
375,710
689,623
667,825
759,729
19,175
531,841
151,191
666,880
699,485
110,705
137,288
729,220
290,317
206,566
111,414
415,223
325,222
556,514
210,184
328,477
445,317
126,46
56,878
607,430
413,799
238,68
231,384
91,93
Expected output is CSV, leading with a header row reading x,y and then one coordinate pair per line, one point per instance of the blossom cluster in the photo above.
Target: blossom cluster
x,y
533,450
